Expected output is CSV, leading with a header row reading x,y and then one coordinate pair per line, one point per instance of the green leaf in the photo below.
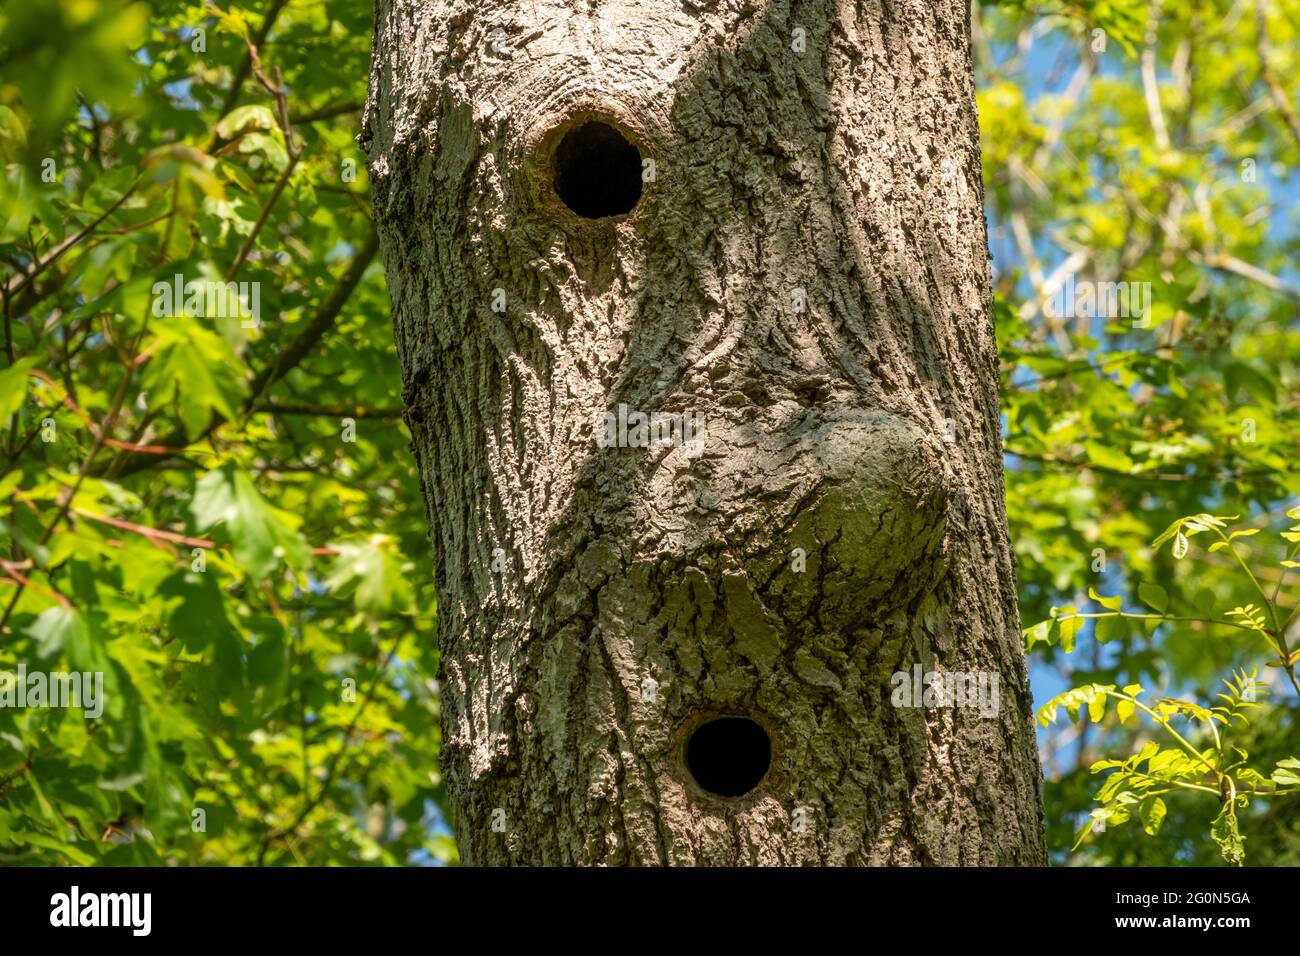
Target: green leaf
x,y
1179,549
1069,627
260,538
1154,596
11,128
269,145
1107,457
1149,750
268,665
244,118
1226,834
1040,633
1110,603
1168,533
1287,773
13,389
1109,628
197,369
1152,814
375,566
1096,707
73,853
59,630
1163,760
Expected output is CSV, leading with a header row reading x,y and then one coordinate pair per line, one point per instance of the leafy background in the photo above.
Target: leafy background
x,y
225,520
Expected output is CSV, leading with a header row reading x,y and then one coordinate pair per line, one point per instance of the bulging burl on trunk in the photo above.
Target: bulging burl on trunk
x,y
693,310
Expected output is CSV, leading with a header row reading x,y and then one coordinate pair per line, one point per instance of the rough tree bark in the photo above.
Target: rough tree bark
x,y
807,270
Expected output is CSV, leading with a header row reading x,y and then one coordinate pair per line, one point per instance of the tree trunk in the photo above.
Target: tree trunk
x,y
765,218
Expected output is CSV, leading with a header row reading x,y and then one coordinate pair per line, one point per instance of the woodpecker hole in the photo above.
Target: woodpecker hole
x,y
597,171
728,756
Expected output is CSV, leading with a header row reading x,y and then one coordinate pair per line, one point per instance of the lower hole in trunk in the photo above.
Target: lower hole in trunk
x,y
729,756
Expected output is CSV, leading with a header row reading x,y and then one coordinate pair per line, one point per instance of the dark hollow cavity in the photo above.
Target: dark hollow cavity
x,y
729,756
597,171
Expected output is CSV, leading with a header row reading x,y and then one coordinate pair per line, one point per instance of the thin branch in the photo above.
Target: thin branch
x,y
1150,86
332,767
20,282
1136,476
245,67
1226,263
1275,89
327,411
290,357
326,112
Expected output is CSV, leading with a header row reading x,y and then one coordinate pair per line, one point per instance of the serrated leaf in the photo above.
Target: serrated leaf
x,y
58,630
375,566
197,369
260,539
